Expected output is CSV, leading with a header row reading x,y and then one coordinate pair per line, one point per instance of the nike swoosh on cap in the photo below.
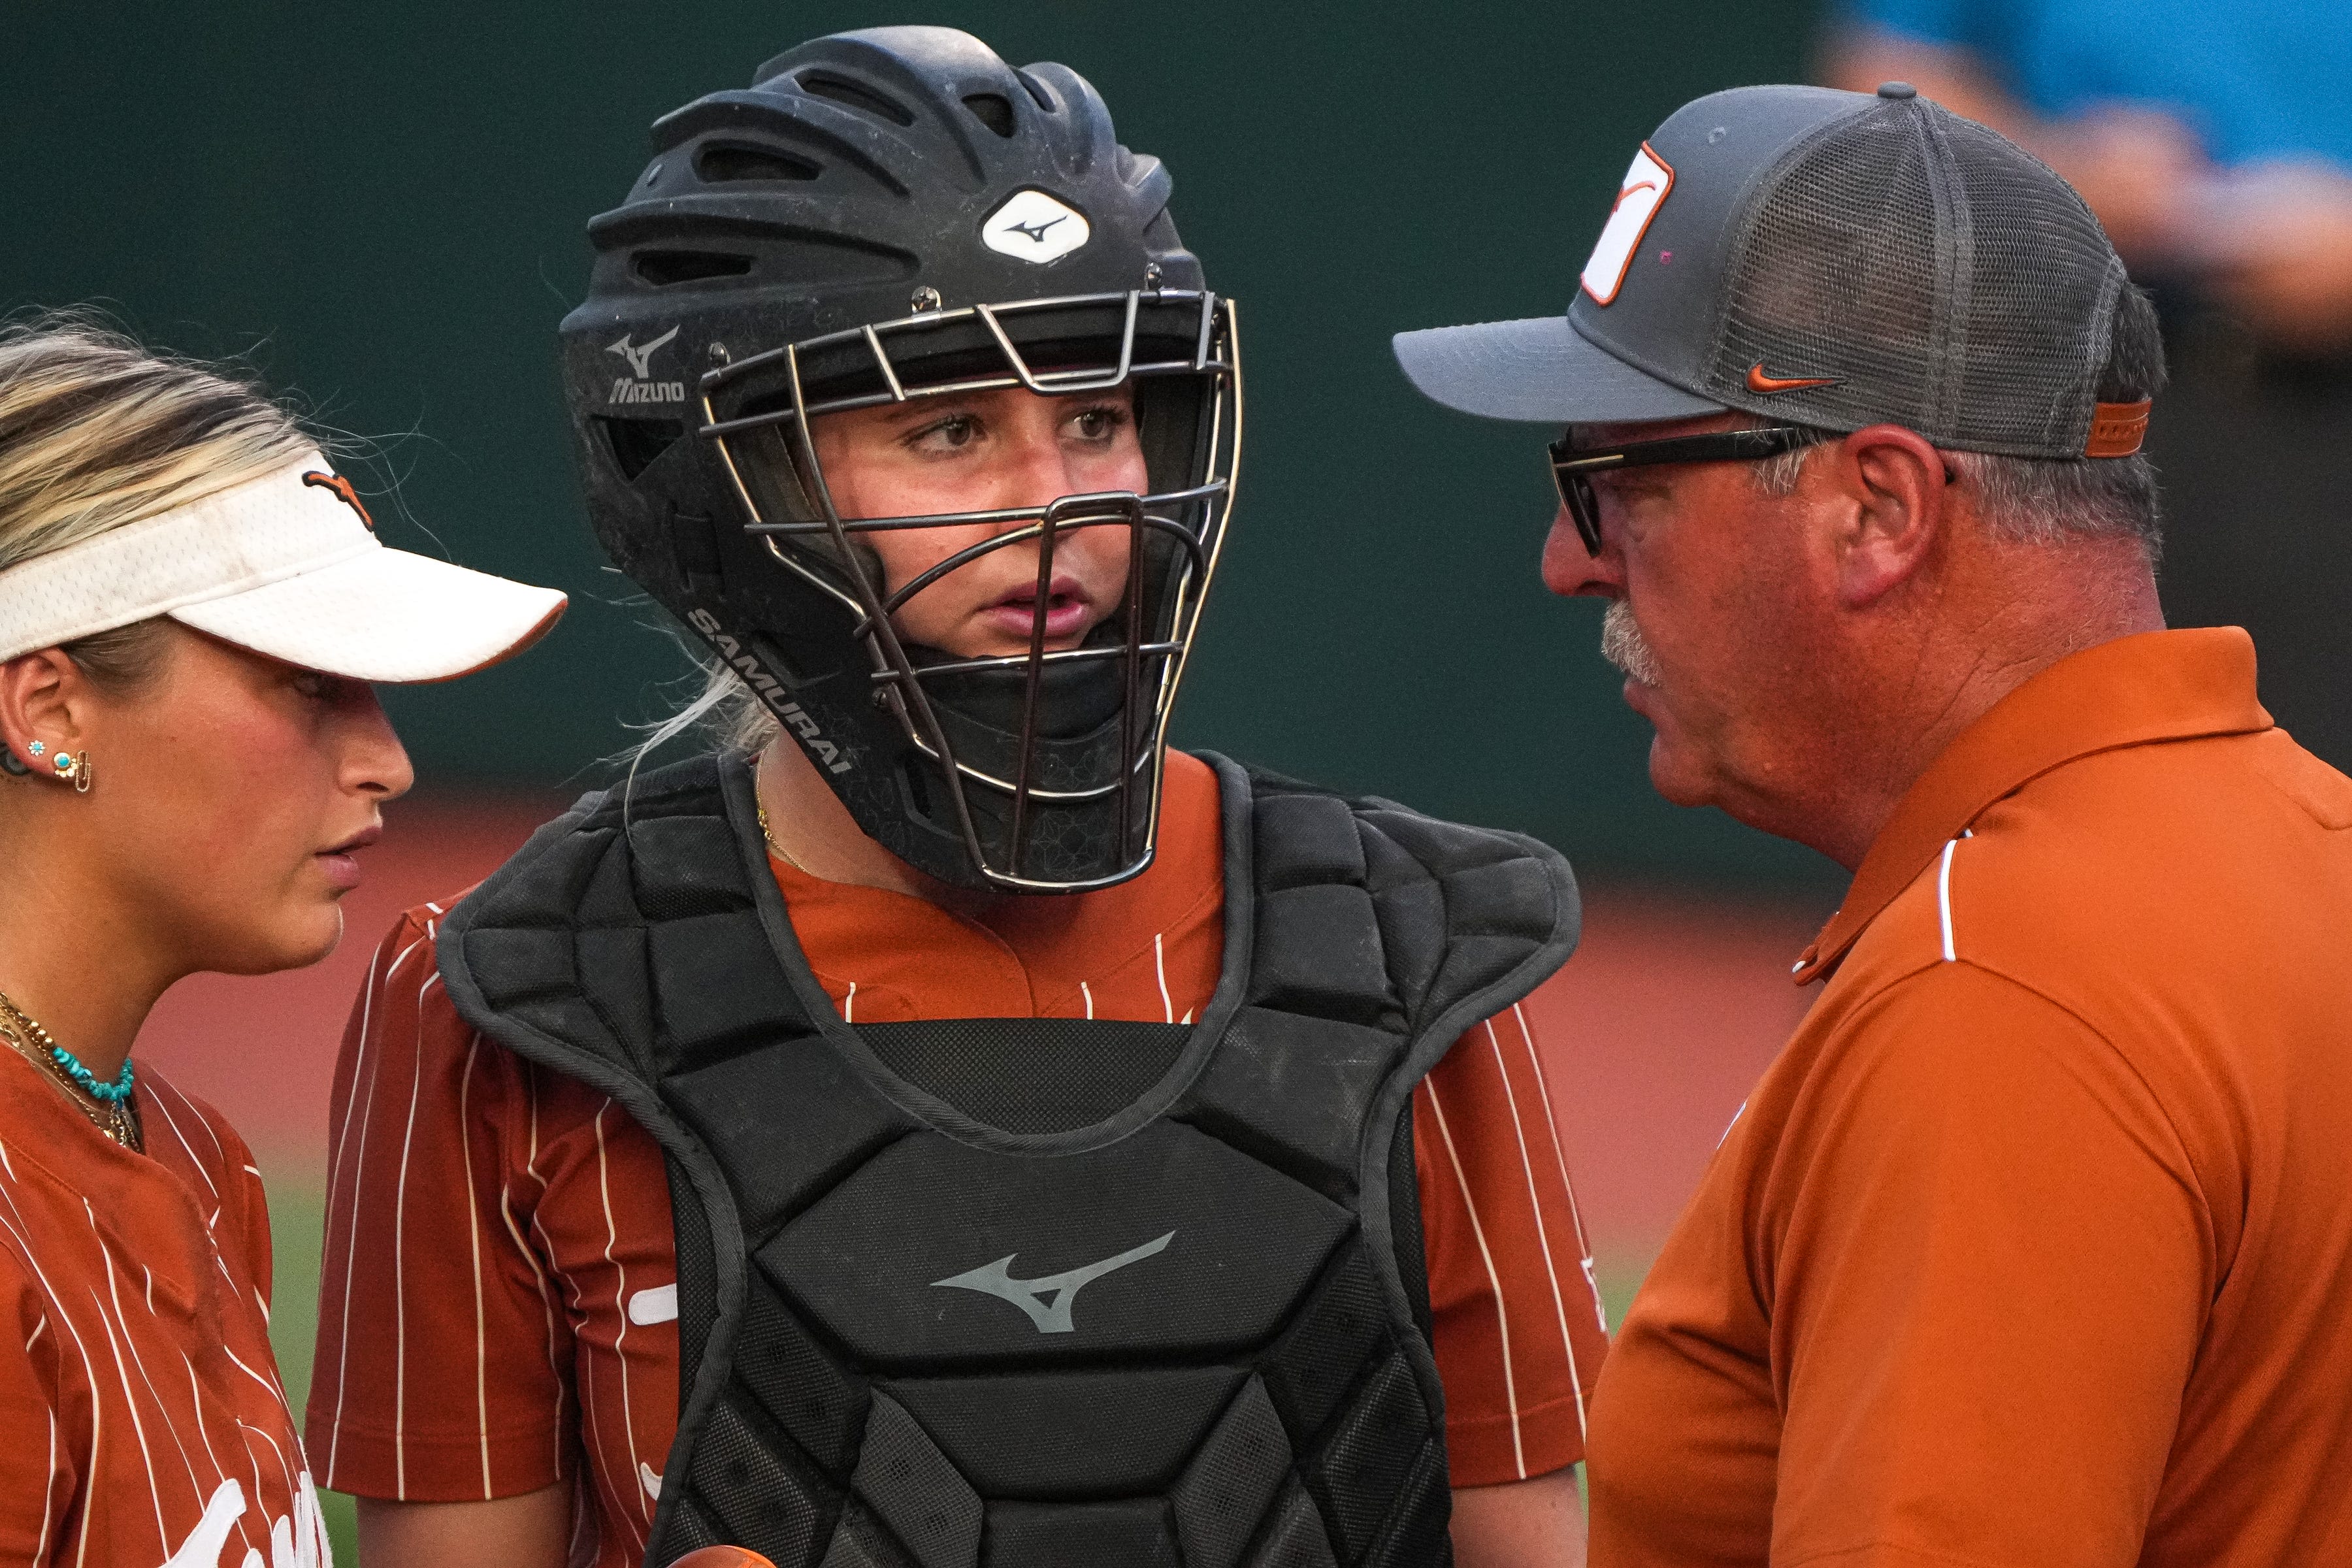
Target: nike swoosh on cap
x,y
1758,382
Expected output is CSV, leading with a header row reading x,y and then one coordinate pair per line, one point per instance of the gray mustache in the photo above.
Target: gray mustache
x,y
1621,644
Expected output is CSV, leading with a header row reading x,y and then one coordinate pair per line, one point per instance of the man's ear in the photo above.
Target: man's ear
x,y
1897,499
41,694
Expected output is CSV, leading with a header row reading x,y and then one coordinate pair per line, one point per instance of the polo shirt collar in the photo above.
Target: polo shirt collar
x,y
2155,686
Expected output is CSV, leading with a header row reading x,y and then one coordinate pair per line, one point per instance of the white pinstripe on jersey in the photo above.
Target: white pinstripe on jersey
x,y
474,1249
130,1400
358,1169
17,1227
1502,1309
549,1297
399,1245
48,1494
621,1313
1535,1208
160,1102
1559,1159
139,1362
546,1303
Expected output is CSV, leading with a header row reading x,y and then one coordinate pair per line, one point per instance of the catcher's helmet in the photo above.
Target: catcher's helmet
x,y
885,216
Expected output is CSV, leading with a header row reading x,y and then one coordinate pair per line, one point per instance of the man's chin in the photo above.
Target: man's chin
x,y
1674,775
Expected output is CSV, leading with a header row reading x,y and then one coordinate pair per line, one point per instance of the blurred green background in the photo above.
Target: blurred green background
x,y
382,206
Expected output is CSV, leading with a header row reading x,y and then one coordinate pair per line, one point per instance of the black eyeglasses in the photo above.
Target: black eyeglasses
x,y
1571,467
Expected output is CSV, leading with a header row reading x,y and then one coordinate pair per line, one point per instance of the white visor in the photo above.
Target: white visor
x,y
288,565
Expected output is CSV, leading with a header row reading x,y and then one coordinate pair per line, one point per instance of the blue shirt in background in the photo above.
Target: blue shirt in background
x,y
2255,78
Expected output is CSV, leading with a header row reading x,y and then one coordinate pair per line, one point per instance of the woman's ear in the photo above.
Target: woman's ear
x,y
42,695
1898,492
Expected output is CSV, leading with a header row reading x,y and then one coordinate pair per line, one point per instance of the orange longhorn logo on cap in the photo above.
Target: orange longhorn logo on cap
x,y
343,488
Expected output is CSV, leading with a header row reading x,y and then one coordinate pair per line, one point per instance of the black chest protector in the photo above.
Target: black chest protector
x,y
1030,1292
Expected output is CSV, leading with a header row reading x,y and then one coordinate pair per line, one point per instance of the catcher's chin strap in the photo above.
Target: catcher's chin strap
x,y
722,1557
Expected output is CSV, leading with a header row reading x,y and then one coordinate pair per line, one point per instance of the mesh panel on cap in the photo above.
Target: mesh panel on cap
x,y
2044,295
1835,278
1938,273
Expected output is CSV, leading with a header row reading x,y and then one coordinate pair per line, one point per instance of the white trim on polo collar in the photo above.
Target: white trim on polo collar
x,y
288,565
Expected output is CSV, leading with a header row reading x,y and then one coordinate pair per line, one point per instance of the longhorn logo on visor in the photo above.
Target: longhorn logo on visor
x,y
1047,1298
1034,226
343,493
1638,201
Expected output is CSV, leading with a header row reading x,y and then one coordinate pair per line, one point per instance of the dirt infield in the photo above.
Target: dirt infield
x,y
1651,1035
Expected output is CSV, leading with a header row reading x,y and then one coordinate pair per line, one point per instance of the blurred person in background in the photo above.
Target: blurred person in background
x,y
2031,1246
2214,142
192,603
946,1114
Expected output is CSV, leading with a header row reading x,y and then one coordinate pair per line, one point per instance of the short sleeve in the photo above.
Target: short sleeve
x,y
441,1363
1987,1274
1518,1328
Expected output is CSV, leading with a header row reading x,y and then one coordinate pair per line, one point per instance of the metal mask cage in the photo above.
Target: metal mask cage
x,y
1147,337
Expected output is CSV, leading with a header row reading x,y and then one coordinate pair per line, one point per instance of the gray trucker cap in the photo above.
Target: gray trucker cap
x,y
1827,258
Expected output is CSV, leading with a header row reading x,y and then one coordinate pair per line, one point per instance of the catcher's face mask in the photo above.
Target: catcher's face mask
x,y
1040,702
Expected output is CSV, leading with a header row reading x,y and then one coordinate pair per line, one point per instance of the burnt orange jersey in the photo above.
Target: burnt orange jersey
x,y
141,1423
2032,1245
500,1296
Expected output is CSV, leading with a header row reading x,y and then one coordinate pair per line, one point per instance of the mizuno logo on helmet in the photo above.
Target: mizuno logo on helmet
x,y
1048,1298
640,358
643,388
1034,226
1036,231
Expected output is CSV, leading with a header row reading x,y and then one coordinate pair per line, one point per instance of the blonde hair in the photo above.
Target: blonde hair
x,y
727,710
97,431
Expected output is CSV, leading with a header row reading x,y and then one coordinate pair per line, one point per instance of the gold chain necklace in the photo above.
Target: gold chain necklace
x,y
782,853
114,1118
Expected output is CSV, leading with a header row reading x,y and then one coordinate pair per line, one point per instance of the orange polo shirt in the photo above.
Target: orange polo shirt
x,y
2034,1245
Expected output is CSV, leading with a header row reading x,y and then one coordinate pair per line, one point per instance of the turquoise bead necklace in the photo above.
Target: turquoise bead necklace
x,y
108,1105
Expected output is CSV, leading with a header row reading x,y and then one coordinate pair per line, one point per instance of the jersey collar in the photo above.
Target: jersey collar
x,y
2136,690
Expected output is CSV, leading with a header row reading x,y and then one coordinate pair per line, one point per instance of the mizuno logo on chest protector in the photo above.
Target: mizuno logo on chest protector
x,y
1047,1300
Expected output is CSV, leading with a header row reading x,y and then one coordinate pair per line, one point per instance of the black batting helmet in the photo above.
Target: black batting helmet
x,y
887,215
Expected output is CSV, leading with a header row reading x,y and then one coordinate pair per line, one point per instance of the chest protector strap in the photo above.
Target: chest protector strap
x,y
1032,1292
